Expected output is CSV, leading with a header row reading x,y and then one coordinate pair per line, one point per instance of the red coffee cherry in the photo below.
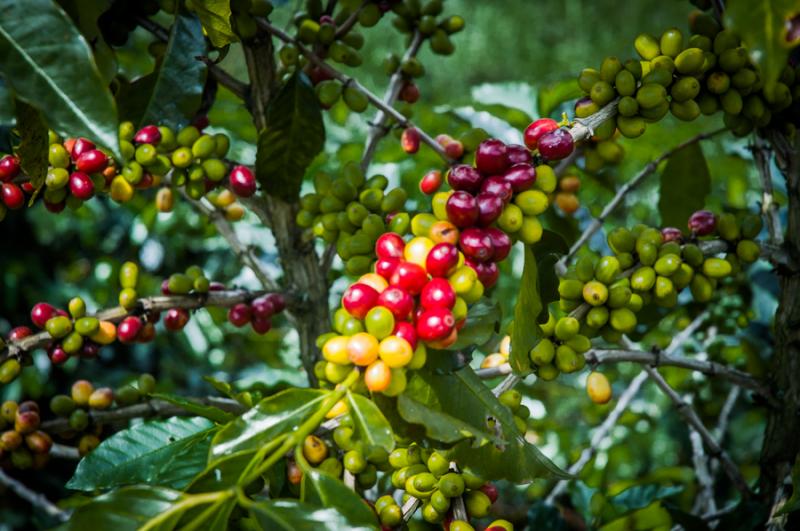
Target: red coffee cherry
x,y
176,319
556,145
57,355
499,186
12,195
430,182
148,134
398,301
407,331
278,301
385,267
435,324
488,272
358,299
442,259
518,154
19,332
501,243
462,209
703,222
490,207
80,147
128,330
438,293
464,177
390,245
242,181
41,313
409,277
92,161
671,234
521,177
537,129
262,308
9,168
81,185
476,244
409,93
240,314
410,140
491,157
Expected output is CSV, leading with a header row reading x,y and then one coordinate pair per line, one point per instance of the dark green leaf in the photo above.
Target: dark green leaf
x,y
6,104
293,136
548,250
213,517
654,514
32,149
293,515
369,423
685,183
639,497
526,331
50,66
165,452
215,15
272,416
222,473
557,93
212,413
323,490
179,80
482,322
763,28
126,509
542,515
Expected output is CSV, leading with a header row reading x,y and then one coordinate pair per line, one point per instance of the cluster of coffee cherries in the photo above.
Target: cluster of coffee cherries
x,y
708,72
259,312
22,444
561,348
352,212
429,476
512,399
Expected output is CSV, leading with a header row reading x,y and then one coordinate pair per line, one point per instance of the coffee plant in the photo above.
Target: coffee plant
x,y
390,322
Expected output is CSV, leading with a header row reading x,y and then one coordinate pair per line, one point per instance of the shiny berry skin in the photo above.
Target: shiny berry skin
x,y
490,207
41,313
488,272
9,168
390,245
537,129
165,287
703,222
410,140
435,324
261,324
454,150
407,331
518,154
57,355
19,332
128,330
90,350
498,186
398,301
442,259
358,299
278,301
521,177
262,307
501,243
491,157
13,197
438,293
242,181
214,286
430,182
148,134
489,489
556,145
476,244
385,267
240,314
81,185
176,319
671,234
464,177
462,209
409,93
80,147
409,277
92,161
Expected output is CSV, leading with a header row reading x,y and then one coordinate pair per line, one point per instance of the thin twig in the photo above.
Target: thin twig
x,y
348,24
769,208
410,507
61,451
704,501
36,499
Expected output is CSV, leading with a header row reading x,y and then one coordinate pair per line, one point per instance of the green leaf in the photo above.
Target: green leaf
x,y
685,183
215,15
165,452
763,28
50,66
548,251
369,423
293,515
293,136
793,503
526,331
179,80
222,473
212,413
482,322
32,150
557,93
641,496
126,509
323,490
6,103
271,417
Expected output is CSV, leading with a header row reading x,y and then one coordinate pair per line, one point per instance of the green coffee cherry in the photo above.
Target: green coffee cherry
x,y
647,46
543,352
566,328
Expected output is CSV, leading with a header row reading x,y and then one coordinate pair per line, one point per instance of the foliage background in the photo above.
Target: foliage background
x,y
511,56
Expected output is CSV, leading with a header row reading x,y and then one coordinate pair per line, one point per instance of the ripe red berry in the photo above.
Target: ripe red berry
x,y
90,350
409,93
671,234
213,286
407,331
261,324
278,301
147,333
491,157
703,222
13,197
410,140
435,324
55,208
242,180
358,299
262,308
81,185
521,177
128,330
462,209
438,293
501,243
240,314
148,134
537,129
430,182
41,313
490,207
556,145
385,267
454,150
165,287
176,319
476,244
498,186
398,301
19,332
80,147
390,245
57,355
410,277
487,272
518,154
489,488
9,168
442,259
464,177
92,161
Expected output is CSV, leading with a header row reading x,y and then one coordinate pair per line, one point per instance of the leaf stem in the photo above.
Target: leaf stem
x,y
191,500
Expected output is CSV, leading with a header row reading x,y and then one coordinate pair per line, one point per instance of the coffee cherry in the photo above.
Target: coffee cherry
x,y
12,196
87,443
442,259
10,440
521,177
409,277
390,245
101,398
490,207
398,301
430,182
556,145
176,319
385,267
242,181
499,186
537,129
41,313
407,331
409,93
464,177
129,329
57,355
81,185
410,140
476,244
702,222
671,234
488,273
358,299
437,293
395,351
378,376
362,349
239,314
9,168
80,147
92,161
491,157
462,209
435,324
501,243
39,442
149,134
26,421
598,388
